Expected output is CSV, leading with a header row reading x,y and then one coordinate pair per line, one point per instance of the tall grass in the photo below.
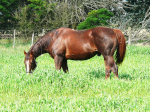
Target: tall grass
x,y
84,88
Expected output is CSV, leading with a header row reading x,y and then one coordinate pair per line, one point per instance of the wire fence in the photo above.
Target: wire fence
x,y
137,36
19,37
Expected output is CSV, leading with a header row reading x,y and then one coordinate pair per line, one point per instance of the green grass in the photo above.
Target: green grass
x,y
84,88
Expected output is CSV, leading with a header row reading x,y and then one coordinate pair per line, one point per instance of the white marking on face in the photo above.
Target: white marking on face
x,y
27,64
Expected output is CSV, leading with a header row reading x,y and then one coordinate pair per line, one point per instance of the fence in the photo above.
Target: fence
x,y
133,36
21,36
137,36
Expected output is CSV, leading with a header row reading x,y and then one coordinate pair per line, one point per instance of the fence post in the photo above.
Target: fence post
x,y
129,40
32,38
42,32
14,39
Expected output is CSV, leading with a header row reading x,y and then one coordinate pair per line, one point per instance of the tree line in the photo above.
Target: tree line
x,y
39,14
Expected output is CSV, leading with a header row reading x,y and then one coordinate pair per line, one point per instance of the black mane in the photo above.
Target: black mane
x,y
41,45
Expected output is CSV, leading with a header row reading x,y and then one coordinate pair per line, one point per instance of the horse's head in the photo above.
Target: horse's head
x,y
29,62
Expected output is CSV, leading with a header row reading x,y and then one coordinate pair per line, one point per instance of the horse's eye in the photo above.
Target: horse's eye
x,y
32,61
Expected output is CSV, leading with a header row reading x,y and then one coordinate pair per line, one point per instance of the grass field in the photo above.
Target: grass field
x,y
84,88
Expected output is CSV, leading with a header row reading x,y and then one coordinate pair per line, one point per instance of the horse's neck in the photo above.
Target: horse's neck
x,y
42,45
39,48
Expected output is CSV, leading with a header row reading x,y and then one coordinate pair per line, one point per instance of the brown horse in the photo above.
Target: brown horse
x,y
64,43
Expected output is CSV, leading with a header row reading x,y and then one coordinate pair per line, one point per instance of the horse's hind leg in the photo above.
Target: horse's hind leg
x,y
110,65
115,70
64,65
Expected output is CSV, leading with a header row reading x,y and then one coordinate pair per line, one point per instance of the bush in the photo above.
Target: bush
x,y
95,18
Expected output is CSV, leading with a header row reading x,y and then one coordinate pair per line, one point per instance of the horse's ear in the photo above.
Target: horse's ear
x,y
25,52
31,54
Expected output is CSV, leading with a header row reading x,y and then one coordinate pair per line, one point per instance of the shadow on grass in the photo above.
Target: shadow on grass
x,y
97,74
100,74
126,77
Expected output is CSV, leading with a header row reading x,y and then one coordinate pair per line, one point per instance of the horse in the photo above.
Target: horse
x,y
64,44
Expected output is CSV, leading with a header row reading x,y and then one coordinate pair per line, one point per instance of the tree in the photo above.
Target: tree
x,y
69,13
30,14
35,15
96,18
7,8
138,10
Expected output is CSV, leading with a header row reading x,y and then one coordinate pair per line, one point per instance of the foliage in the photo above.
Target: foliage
x,y
5,12
96,18
35,15
138,10
31,14
7,8
82,89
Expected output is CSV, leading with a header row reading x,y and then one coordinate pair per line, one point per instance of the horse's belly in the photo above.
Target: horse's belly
x,y
80,50
78,56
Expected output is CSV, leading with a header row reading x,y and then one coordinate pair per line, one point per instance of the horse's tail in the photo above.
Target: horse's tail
x,y
121,48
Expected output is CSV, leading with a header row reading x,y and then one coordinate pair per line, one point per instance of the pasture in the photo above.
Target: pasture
x,y
84,88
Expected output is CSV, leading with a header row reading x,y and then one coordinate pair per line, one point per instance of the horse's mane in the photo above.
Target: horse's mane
x,y
46,38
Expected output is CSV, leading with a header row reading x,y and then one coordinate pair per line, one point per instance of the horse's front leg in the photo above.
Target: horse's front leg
x,y
64,65
58,62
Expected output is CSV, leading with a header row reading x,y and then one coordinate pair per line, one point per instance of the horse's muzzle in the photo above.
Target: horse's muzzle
x,y
29,72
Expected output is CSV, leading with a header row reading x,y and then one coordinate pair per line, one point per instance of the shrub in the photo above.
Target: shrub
x,y
95,18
